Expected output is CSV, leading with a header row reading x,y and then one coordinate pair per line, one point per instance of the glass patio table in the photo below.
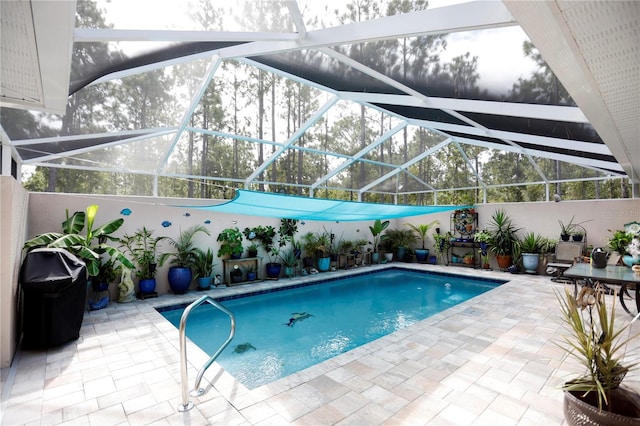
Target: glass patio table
x,y
623,276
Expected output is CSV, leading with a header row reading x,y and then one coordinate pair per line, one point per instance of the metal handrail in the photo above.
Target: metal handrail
x,y
197,391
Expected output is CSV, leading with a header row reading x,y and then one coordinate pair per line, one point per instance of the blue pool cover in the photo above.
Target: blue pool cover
x,y
305,208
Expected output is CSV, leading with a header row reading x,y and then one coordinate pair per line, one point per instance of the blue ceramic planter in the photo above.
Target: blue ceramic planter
x,y
422,255
179,279
273,270
630,261
147,285
324,263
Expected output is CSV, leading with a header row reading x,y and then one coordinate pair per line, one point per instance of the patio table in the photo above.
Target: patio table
x,y
623,276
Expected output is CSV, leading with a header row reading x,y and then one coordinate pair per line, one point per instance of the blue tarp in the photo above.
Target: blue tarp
x,y
304,208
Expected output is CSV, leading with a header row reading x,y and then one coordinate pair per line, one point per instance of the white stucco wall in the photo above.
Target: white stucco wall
x,y
13,224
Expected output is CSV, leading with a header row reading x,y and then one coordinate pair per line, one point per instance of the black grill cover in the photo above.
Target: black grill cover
x,y
54,288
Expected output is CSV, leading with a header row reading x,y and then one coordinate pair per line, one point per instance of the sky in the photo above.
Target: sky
x,y
499,51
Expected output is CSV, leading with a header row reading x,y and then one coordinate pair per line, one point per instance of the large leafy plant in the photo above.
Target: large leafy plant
x,y
89,246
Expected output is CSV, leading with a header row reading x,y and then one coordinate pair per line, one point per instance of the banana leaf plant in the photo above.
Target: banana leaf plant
x,y
89,247
378,227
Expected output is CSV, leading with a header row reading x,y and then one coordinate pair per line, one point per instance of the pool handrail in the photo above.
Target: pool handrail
x,y
197,391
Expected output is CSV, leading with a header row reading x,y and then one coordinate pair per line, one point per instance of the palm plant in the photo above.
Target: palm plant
x,y
503,233
183,245
421,231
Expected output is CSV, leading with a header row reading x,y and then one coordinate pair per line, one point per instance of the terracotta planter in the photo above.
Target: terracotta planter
x,y
579,411
504,261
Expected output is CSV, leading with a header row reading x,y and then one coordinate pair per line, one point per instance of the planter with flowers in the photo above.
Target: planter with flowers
x,y
626,243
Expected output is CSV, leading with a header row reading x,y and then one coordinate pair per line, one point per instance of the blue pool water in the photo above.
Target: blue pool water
x,y
333,317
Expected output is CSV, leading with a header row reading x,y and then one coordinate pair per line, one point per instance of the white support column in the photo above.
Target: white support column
x,y
6,160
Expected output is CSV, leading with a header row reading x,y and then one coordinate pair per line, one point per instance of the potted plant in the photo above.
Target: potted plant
x,y
483,238
107,274
289,262
387,246
443,242
230,240
619,241
274,267
578,235
566,229
252,274
377,229
592,338
142,247
421,233
626,243
400,239
504,238
180,273
547,251
323,251
570,228
203,268
252,250
516,259
469,258
530,249
309,246
88,247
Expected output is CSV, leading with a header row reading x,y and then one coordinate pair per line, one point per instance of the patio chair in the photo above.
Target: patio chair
x,y
567,253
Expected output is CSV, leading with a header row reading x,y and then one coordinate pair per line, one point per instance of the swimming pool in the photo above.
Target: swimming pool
x,y
285,331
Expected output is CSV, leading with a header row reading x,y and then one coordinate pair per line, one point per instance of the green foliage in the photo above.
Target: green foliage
x,y
394,238
594,341
482,237
377,229
142,247
88,247
421,231
230,240
504,238
288,228
548,245
263,234
443,242
289,257
619,241
202,263
183,253
531,243
108,272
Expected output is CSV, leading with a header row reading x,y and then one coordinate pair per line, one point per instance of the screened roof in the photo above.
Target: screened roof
x,y
326,98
